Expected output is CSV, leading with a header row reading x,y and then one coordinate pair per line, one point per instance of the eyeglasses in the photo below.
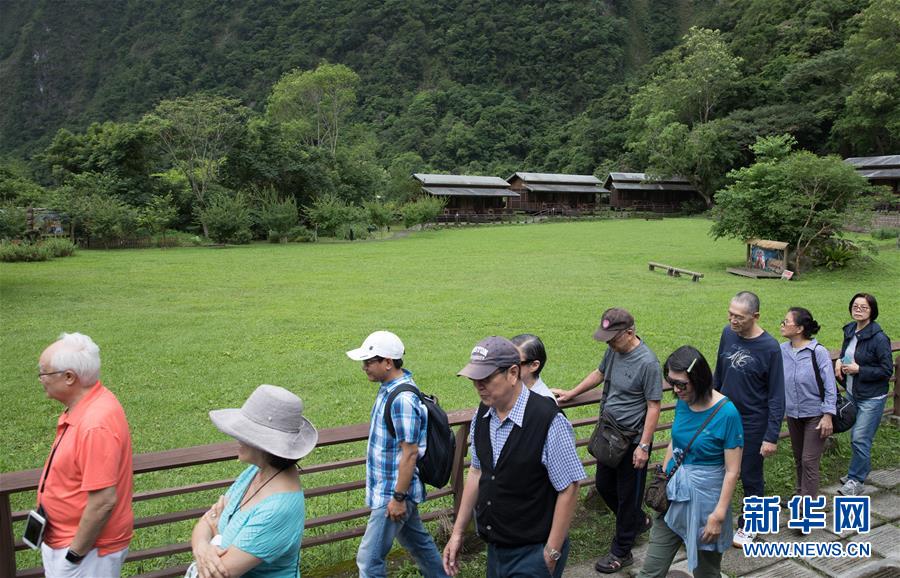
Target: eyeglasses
x,y
860,307
785,323
677,383
371,360
43,373
527,361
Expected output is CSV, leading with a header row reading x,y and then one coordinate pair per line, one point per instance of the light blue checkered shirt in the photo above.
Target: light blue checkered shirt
x,y
383,456
558,456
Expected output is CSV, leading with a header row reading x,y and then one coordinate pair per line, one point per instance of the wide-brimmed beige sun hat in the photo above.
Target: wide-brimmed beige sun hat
x,y
271,420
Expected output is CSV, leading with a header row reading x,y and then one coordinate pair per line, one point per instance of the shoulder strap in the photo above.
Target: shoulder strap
x,y
719,406
390,401
815,364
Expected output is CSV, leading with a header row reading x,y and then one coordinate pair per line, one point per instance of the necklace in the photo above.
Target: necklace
x,y
247,500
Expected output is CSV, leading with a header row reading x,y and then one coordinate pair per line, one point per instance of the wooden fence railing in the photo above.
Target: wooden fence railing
x,y
26,481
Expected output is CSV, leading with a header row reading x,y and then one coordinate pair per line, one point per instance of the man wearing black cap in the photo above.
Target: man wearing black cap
x,y
632,391
523,481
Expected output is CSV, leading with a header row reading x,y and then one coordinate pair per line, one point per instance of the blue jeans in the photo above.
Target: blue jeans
x,y
523,562
412,535
862,434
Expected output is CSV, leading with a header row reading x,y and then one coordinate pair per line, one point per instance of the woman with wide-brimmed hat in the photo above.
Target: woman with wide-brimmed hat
x,y
256,527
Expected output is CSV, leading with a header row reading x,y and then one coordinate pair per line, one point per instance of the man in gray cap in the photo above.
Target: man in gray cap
x,y
632,391
393,488
523,480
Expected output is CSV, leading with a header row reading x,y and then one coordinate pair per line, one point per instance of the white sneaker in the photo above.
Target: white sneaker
x,y
844,479
741,537
851,488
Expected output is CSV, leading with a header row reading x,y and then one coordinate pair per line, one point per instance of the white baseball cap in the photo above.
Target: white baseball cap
x,y
379,344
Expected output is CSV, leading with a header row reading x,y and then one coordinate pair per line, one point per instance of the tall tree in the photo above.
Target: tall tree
x,y
197,133
313,104
674,131
871,120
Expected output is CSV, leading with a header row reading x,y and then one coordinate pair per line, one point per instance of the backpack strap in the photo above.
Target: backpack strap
x,y
709,418
389,422
815,365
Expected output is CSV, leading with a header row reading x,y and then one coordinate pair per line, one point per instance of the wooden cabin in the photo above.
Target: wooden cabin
x,y
883,170
467,194
642,193
541,192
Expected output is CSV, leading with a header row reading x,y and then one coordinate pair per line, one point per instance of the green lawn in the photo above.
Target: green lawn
x,y
183,331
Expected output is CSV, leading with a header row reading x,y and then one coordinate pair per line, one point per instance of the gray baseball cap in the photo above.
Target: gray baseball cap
x,y
489,355
615,320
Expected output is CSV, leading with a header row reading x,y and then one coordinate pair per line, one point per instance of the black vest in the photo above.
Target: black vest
x,y
516,499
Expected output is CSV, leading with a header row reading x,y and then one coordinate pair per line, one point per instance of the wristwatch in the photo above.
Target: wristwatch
x,y
74,557
645,447
400,496
554,554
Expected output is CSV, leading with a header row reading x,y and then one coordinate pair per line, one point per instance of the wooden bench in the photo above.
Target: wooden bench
x,y
675,271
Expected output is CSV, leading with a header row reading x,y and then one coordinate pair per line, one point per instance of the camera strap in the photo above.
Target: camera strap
x,y
50,461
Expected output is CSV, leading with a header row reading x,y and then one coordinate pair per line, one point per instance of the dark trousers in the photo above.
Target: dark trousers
x,y
622,488
752,468
523,562
807,445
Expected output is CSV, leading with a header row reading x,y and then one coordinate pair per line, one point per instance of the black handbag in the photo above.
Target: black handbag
x,y
609,441
845,410
655,497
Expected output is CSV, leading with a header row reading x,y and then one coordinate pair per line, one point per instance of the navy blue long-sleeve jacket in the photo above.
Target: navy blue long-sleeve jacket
x,y
750,372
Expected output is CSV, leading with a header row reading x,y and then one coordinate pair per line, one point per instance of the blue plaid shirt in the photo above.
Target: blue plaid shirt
x,y
558,457
383,458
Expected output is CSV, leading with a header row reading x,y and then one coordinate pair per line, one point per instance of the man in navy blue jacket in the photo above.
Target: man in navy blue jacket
x,y
749,372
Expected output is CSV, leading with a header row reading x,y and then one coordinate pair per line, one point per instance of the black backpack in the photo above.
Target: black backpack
x,y
436,465
845,411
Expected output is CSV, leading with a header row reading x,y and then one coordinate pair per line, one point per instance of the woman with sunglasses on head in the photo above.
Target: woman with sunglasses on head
x,y
256,527
534,357
809,407
705,475
865,366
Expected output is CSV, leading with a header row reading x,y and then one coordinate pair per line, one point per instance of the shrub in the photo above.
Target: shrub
x,y
301,234
837,252
58,246
276,217
422,210
886,233
227,219
328,213
106,219
353,231
19,252
13,222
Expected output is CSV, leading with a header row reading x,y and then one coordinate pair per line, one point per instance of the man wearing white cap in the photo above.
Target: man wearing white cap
x,y
393,489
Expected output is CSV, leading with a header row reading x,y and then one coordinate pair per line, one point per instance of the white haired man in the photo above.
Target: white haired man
x,y
86,485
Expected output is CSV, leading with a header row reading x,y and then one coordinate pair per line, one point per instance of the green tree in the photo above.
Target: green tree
x,y
792,196
197,133
227,217
275,216
158,214
312,105
870,122
379,213
673,129
329,212
422,210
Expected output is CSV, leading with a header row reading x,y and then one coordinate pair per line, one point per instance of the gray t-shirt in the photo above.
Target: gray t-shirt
x,y
635,378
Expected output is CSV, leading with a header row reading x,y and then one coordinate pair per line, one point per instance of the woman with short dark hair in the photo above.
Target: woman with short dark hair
x,y
534,357
705,475
808,406
865,366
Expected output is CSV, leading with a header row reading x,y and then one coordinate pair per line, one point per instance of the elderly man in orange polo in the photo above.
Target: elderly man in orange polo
x,y
86,485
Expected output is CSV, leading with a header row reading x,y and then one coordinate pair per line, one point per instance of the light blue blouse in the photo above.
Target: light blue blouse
x,y
271,530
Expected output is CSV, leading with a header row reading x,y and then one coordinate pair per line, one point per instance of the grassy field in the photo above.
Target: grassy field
x,y
183,331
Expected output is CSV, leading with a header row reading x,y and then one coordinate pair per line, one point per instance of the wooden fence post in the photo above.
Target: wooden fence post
x,y
897,386
7,539
457,478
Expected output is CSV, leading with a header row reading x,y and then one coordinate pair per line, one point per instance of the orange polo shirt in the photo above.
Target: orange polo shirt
x,y
93,452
